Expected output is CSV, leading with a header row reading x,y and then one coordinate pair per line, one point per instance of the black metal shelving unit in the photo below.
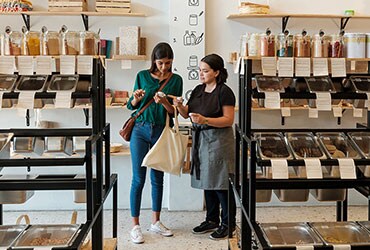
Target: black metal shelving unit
x,y
94,159
243,183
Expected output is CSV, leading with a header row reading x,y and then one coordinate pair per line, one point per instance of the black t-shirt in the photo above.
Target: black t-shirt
x,y
210,104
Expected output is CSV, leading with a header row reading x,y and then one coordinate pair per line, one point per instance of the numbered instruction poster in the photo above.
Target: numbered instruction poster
x,y
187,38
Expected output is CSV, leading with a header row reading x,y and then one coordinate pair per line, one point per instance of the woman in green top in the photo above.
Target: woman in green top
x,y
148,127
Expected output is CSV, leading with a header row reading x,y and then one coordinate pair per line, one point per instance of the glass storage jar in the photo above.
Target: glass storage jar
x,y
33,43
89,42
244,45
320,45
253,45
267,44
12,42
69,41
49,42
336,46
302,45
284,45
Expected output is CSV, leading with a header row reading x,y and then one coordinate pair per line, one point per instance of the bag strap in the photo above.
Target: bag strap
x,y
152,100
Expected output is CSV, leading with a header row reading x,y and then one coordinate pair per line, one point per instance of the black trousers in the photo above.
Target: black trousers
x,y
215,198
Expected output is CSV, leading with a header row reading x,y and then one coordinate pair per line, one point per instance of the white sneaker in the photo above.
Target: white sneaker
x,y
136,235
159,228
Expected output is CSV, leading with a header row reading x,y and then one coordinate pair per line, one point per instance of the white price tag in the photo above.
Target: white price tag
x,y
286,66
26,100
338,67
242,67
347,168
341,247
337,111
25,65
84,65
357,112
7,65
313,113
367,102
67,65
269,66
63,99
126,64
43,65
237,65
1,99
323,101
313,168
353,65
320,66
304,247
285,111
302,67
279,169
272,100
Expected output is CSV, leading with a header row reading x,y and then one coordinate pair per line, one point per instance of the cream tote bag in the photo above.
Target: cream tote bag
x,y
168,152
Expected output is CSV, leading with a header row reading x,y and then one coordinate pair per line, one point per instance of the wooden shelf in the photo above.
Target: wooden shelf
x,y
258,58
73,13
128,57
280,15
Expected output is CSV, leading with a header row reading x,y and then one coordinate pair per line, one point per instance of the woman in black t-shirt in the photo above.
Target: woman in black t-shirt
x,y
211,110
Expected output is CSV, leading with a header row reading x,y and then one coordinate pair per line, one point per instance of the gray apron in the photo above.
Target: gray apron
x,y
216,158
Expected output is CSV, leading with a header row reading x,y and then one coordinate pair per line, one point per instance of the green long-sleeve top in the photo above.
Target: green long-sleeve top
x,y
155,113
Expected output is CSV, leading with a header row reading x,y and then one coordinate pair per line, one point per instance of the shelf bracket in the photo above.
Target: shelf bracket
x,y
339,121
86,112
28,117
284,20
85,19
27,20
282,120
343,22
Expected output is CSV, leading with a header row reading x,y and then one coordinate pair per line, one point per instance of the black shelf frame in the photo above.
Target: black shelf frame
x,y
94,159
244,187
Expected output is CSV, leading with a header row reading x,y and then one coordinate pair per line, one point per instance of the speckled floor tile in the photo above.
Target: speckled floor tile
x,y
182,222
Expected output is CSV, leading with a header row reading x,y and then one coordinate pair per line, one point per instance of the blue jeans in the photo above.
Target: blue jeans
x,y
143,137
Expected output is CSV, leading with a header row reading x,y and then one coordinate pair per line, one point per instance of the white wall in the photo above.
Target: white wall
x,y
222,37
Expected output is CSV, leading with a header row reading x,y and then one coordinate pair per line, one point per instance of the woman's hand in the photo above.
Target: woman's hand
x,y
138,95
178,101
198,118
161,98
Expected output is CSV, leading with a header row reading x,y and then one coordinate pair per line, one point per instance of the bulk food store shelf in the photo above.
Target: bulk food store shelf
x,y
92,160
244,184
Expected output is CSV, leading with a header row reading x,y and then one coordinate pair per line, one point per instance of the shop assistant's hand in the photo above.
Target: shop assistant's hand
x,y
198,118
161,98
178,101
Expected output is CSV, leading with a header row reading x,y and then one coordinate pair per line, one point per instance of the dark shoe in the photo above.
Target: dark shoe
x,y
204,227
221,233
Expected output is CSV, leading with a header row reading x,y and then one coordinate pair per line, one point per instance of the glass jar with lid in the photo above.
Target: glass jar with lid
x,y
254,45
320,45
284,45
33,43
49,42
89,42
69,41
336,46
12,42
302,45
267,43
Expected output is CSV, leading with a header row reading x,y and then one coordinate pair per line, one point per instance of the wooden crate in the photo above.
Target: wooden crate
x,y
117,6
67,5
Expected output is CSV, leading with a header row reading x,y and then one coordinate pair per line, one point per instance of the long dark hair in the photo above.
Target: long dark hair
x,y
160,51
216,62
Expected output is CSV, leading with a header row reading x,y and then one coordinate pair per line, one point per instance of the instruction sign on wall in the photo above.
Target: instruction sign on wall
x,y
187,38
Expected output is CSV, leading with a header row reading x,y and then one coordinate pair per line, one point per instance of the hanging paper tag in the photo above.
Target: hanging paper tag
x,y
43,65
67,65
26,99
304,247
337,111
367,102
237,65
323,101
1,99
242,66
285,111
303,67
63,99
320,66
269,66
279,169
285,66
126,64
272,100
313,113
7,65
25,65
357,112
84,65
338,67
313,168
341,247
347,169
353,65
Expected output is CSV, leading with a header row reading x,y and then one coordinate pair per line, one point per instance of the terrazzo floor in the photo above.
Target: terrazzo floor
x,y
182,222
